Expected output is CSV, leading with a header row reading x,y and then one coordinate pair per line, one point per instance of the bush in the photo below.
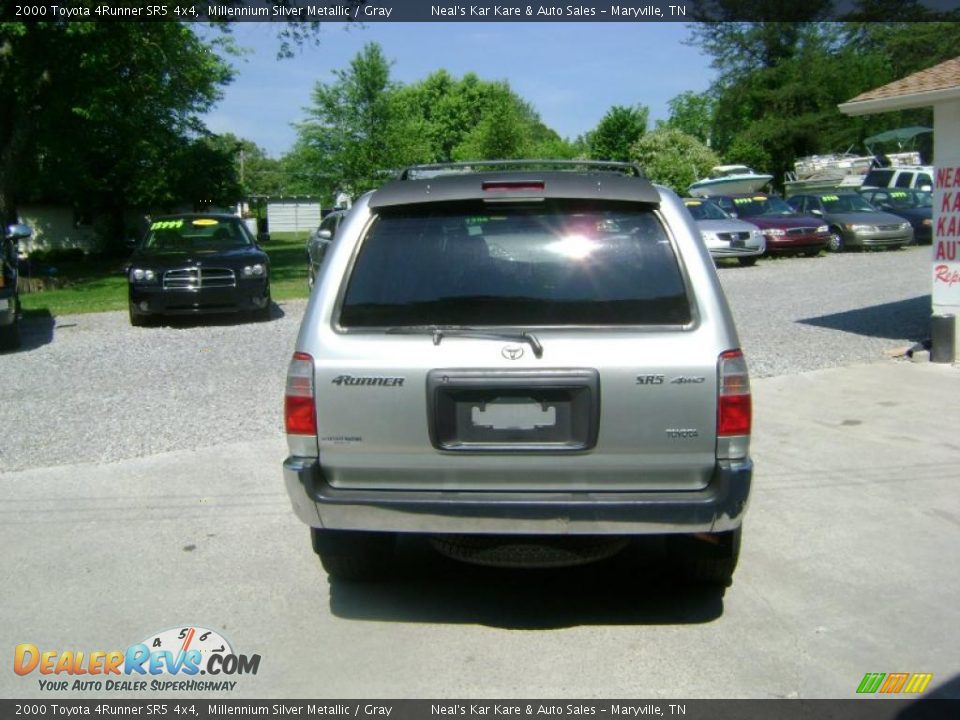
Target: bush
x,y
57,256
671,157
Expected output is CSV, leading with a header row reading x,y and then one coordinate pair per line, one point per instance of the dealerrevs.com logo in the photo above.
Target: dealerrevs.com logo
x,y
171,660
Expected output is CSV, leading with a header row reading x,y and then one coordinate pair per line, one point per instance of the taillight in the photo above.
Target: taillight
x,y
299,408
734,410
513,186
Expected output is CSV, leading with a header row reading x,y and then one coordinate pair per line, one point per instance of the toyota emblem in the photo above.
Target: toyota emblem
x,y
512,352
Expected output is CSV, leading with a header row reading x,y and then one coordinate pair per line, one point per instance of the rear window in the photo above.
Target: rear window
x,y
878,178
549,265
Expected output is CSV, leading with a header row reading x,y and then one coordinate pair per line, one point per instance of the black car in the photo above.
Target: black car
x,y
915,206
9,286
319,242
196,263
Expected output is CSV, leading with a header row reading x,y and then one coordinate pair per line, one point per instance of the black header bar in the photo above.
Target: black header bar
x,y
370,11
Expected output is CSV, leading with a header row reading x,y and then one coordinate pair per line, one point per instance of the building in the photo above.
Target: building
x,y
939,87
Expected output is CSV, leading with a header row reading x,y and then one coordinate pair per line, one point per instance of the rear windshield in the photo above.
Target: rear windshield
x,y
516,267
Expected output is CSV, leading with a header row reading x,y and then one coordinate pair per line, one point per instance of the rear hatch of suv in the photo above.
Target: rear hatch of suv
x,y
514,341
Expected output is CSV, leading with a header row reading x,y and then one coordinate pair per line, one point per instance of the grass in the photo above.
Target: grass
x,y
99,285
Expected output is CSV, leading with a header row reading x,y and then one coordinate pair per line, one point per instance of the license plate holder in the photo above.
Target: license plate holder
x,y
517,411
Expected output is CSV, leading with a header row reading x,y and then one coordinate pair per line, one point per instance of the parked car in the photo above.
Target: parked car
x,y
854,222
529,365
725,236
786,230
914,206
319,243
919,177
198,263
10,285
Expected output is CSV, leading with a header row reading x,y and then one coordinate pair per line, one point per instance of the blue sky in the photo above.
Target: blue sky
x,y
572,73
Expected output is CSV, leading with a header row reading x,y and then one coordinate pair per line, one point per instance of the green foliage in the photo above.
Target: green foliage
x,y
671,157
96,113
691,113
620,128
780,83
255,172
365,126
360,128
204,172
501,133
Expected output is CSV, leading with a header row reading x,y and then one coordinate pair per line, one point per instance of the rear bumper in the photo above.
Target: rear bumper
x,y
719,506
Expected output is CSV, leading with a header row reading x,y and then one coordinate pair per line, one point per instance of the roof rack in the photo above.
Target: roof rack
x,y
455,168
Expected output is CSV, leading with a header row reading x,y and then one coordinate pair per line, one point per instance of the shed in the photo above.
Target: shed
x,y
293,214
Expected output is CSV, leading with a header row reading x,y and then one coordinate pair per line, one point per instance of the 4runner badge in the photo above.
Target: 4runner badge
x,y
512,352
367,380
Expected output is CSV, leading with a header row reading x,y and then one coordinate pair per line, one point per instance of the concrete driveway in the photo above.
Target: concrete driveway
x,y
848,567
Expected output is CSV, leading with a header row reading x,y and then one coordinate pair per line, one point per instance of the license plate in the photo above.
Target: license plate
x,y
507,415
4,303
517,411
738,243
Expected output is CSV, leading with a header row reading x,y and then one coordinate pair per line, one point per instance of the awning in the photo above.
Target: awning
x,y
898,136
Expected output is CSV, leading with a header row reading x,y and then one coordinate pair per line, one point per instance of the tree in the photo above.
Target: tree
x,y
503,130
617,131
94,112
360,127
459,120
692,113
673,158
780,83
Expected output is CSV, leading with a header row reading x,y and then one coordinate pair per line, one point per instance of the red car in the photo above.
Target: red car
x,y
786,230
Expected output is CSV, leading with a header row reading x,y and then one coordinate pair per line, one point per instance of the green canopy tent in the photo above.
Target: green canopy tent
x,y
898,136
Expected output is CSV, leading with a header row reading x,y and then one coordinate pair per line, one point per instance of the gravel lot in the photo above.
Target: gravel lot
x,y
90,388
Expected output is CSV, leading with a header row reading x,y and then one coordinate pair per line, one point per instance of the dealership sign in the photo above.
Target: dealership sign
x,y
946,237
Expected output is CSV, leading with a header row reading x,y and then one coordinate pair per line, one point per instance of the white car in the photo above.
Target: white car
x,y
726,237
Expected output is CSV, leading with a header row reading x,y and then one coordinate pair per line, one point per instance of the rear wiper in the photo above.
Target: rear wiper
x,y
439,332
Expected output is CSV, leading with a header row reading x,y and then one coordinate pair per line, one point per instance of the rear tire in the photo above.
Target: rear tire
x,y
707,559
353,554
10,336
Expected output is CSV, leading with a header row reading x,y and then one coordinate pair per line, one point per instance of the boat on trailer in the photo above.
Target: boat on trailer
x,y
729,180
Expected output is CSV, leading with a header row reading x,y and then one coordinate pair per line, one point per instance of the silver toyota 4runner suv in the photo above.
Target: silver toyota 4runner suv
x,y
529,362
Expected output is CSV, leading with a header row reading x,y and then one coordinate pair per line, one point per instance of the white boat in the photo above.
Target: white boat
x,y
841,171
729,179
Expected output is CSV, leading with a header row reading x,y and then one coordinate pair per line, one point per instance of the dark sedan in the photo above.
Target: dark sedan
x,y
914,206
194,264
319,243
786,230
